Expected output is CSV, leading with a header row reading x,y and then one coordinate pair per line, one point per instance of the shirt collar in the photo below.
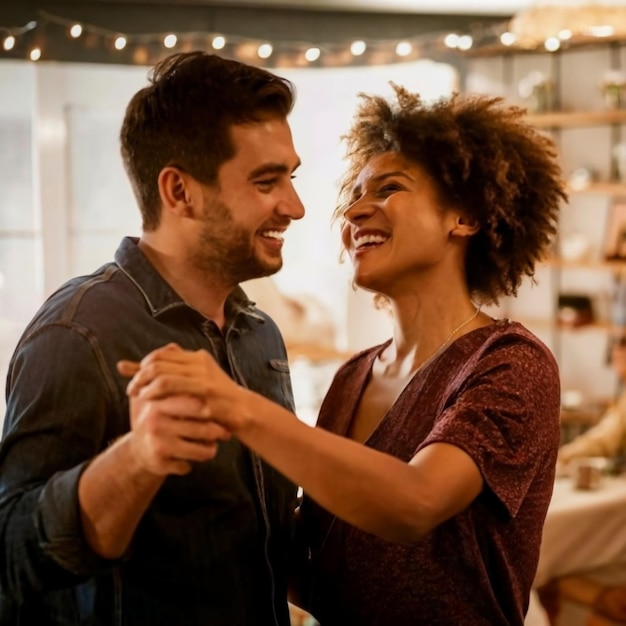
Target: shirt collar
x,y
158,294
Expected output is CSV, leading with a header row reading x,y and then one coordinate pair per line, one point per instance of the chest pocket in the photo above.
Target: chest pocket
x,y
279,382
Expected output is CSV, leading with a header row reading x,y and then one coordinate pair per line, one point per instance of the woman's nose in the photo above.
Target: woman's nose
x,y
359,209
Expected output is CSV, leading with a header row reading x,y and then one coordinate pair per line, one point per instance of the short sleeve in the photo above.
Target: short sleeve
x,y
505,416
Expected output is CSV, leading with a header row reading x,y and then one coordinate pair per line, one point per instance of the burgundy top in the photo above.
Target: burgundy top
x,y
495,393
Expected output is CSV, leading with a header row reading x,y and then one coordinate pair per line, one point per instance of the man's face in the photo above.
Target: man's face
x,y
253,202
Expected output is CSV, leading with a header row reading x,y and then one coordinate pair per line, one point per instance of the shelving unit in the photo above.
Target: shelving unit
x,y
585,132
603,188
576,119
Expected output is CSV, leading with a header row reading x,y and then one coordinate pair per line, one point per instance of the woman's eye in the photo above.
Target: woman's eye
x,y
390,188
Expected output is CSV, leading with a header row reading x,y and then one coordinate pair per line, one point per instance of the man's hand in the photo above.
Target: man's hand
x,y
170,434
171,427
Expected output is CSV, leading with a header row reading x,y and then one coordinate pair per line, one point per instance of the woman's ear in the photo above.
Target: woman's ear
x,y
465,226
176,190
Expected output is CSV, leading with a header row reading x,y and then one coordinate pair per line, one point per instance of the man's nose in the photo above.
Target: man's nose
x,y
291,205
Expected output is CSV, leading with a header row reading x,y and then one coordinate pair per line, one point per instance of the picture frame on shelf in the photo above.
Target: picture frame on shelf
x,y
614,247
574,310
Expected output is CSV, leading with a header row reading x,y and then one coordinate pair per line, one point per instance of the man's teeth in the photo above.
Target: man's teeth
x,y
273,234
370,239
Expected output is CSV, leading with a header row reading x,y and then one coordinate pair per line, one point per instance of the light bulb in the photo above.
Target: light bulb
x,y
507,39
76,31
218,42
451,40
265,50
404,48
357,48
312,54
170,41
465,42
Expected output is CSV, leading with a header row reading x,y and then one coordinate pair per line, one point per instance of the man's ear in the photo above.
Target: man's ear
x,y
465,226
177,192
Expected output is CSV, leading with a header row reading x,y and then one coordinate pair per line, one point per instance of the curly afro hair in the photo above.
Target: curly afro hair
x,y
485,160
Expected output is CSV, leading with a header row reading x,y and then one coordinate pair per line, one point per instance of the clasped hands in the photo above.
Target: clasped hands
x,y
182,404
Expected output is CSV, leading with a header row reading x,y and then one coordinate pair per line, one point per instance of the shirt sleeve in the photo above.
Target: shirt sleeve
x,y
56,421
505,416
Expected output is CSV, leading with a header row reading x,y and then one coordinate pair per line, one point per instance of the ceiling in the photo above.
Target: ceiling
x,y
289,24
466,7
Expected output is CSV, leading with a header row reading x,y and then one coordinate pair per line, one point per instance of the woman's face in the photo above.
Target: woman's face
x,y
396,231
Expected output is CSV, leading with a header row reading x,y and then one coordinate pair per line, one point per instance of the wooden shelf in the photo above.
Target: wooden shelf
x,y
596,264
572,119
546,323
497,49
605,188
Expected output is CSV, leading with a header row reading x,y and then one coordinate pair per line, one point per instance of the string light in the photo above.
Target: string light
x,y
451,40
76,31
265,51
465,42
146,48
404,48
218,42
357,48
552,44
170,41
312,54
507,38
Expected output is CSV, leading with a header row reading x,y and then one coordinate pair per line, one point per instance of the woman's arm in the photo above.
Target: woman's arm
x,y
377,492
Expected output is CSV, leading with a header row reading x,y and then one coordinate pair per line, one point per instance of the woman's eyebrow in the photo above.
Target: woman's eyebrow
x,y
381,177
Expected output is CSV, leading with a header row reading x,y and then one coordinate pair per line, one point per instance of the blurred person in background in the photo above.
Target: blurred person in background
x,y
607,438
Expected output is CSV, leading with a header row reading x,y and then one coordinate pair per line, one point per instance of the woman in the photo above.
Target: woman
x,y
428,476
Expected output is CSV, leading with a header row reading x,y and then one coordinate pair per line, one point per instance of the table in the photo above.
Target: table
x,y
584,531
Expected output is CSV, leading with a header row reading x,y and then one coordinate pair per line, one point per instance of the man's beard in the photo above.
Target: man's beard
x,y
225,249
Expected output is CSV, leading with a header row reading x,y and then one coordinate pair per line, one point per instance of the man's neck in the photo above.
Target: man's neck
x,y
202,291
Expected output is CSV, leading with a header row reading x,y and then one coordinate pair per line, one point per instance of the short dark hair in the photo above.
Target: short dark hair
x,y
484,159
183,118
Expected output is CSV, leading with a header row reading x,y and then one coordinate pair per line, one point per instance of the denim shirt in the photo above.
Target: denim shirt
x,y
213,546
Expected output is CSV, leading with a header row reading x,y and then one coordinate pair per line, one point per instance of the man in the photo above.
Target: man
x,y
111,514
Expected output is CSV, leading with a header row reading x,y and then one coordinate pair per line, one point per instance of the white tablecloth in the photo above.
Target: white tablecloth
x,y
584,532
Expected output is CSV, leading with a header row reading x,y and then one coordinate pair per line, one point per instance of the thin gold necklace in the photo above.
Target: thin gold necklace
x,y
447,340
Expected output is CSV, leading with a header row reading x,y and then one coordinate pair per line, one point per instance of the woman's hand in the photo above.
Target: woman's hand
x,y
173,372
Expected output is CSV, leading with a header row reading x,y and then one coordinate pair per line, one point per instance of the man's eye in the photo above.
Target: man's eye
x,y
266,184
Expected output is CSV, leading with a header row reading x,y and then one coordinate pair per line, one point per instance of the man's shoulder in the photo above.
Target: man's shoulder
x,y
84,297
